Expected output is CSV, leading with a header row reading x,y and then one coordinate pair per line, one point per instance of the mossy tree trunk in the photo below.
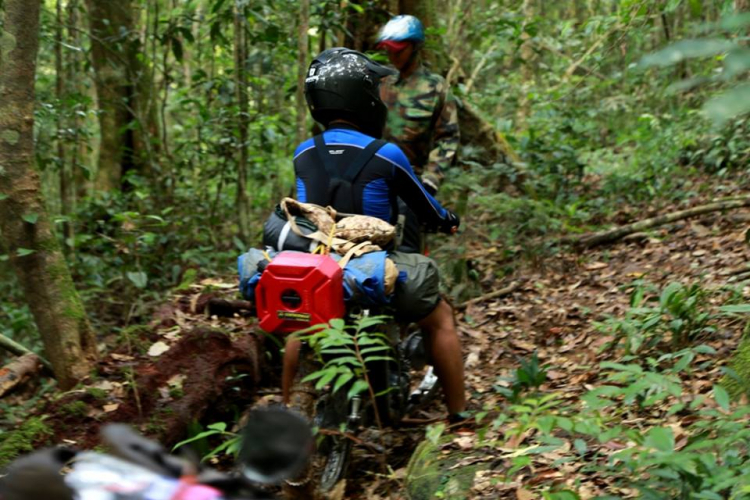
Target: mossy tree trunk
x,y
28,237
127,111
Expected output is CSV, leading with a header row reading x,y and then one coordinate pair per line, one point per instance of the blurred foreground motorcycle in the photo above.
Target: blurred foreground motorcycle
x,y
276,445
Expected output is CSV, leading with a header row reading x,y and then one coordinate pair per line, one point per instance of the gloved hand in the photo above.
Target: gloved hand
x,y
451,223
429,187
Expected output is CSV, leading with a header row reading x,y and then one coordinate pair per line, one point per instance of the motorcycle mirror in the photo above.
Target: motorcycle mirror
x,y
38,476
276,445
127,444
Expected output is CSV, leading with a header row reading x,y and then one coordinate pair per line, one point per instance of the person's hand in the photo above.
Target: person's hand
x,y
451,223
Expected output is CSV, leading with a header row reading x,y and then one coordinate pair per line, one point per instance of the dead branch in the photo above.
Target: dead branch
x,y
18,371
14,347
228,308
577,64
488,296
371,446
610,235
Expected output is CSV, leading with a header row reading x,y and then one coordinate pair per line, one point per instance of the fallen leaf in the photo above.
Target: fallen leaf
x,y
596,265
523,345
524,494
122,357
175,382
464,442
158,349
104,385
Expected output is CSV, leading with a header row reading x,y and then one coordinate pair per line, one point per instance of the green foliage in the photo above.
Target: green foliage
x,y
528,376
346,351
230,445
75,409
734,101
680,316
23,439
723,152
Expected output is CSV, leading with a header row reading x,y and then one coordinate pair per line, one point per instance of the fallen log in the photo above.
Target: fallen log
x,y
18,372
610,235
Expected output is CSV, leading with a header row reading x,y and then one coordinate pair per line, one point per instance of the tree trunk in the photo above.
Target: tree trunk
x,y
64,176
240,83
28,237
302,61
80,180
423,9
127,114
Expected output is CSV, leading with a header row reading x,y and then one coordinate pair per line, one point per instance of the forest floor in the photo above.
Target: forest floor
x,y
152,375
556,312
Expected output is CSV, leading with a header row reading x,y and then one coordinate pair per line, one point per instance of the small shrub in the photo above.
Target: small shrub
x,y
530,375
681,316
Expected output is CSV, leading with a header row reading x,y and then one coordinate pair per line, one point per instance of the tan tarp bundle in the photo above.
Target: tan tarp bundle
x,y
352,236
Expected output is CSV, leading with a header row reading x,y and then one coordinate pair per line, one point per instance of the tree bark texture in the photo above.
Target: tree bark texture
x,y
363,27
17,372
64,177
27,233
302,43
127,114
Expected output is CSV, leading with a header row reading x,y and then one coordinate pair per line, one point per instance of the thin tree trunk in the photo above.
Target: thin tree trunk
x,y
28,237
302,61
79,179
127,117
240,82
64,176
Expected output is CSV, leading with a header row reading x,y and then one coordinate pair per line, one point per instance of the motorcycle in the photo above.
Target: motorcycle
x,y
297,290
276,444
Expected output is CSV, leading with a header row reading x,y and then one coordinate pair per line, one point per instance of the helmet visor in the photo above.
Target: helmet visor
x,y
393,46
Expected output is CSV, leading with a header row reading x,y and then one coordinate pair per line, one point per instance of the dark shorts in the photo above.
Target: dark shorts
x,y
416,297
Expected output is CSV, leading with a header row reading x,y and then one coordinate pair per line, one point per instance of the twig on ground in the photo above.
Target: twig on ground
x,y
371,446
488,296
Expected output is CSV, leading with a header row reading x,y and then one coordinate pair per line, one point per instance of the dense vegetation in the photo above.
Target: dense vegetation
x,y
164,131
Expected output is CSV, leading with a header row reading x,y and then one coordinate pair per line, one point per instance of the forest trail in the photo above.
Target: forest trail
x,y
553,312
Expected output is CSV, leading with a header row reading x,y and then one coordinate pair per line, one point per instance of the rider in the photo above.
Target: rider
x,y
422,117
342,92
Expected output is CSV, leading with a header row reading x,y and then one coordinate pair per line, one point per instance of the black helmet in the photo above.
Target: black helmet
x,y
343,84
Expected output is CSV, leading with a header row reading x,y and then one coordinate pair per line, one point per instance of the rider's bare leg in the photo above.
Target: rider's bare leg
x,y
291,360
445,349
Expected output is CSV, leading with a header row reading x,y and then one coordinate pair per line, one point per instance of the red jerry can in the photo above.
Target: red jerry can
x,y
298,290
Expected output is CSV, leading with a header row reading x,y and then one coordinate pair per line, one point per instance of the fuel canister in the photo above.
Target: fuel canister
x,y
298,290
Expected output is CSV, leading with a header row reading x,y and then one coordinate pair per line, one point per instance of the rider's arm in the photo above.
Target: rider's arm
x,y
409,188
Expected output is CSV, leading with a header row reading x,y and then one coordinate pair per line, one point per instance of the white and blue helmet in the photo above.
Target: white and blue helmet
x,y
402,28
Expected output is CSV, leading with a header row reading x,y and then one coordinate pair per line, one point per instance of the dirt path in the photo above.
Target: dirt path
x,y
555,314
